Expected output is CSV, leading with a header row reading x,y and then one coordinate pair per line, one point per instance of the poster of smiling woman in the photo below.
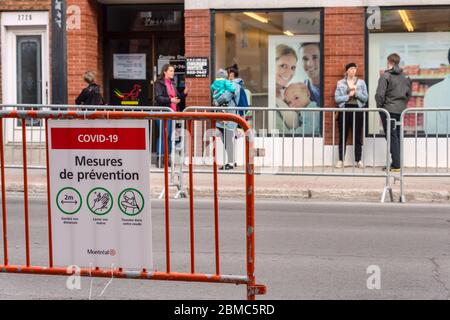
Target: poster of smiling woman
x,y
294,82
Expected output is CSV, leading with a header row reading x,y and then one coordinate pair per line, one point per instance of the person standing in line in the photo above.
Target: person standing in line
x,y
224,92
91,95
240,95
351,92
240,98
393,93
166,95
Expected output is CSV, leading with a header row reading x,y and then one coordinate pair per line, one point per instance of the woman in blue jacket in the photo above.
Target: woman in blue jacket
x,y
351,92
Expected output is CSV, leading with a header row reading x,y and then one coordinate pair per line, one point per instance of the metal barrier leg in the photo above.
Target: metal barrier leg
x,y
161,195
180,153
3,192
25,192
385,191
181,194
177,157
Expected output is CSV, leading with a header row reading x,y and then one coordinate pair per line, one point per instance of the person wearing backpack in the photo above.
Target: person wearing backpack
x,y
91,95
240,95
224,94
393,93
223,90
240,100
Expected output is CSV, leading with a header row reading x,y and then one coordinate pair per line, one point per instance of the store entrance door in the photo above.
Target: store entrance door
x,y
139,40
25,63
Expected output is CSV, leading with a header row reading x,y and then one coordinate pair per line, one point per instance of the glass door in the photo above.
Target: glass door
x,y
129,65
29,73
171,50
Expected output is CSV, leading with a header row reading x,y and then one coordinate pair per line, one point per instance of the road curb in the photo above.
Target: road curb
x,y
372,195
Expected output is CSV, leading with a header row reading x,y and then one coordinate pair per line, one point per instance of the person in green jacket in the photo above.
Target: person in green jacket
x,y
223,90
223,93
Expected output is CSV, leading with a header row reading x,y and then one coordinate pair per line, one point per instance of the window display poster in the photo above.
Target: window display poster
x,y
424,58
129,66
294,82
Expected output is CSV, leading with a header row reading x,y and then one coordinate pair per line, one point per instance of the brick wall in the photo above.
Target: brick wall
x,y
198,44
84,48
22,5
344,36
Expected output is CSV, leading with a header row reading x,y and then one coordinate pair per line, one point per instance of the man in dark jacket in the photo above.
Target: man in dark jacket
x,y
393,93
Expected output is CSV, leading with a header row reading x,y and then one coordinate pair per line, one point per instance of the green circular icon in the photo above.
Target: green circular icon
x,y
131,202
99,201
69,200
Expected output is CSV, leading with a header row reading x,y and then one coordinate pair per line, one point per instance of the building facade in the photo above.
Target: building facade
x,y
47,45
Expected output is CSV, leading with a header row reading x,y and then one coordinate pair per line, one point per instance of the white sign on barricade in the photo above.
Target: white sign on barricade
x,y
100,190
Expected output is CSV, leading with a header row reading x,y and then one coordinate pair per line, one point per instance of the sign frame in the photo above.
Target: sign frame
x,y
197,67
90,167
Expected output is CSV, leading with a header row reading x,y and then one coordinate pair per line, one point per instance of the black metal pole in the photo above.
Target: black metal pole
x,y
59,92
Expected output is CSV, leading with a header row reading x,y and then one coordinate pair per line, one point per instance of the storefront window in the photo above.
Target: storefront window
x,y
278,56
422,39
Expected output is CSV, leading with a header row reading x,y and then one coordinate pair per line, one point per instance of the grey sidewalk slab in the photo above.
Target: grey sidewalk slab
x,y
418,189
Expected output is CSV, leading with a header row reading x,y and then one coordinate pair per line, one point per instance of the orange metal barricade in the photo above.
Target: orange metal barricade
x,y
249,280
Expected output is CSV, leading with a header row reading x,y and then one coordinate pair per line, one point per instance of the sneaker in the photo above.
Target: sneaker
x,y
227,167
339,164
360,164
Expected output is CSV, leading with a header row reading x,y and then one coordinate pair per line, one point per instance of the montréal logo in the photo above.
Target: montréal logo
x,y
110,252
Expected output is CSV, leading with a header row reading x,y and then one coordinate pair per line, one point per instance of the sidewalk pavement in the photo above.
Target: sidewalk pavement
x,y
232,186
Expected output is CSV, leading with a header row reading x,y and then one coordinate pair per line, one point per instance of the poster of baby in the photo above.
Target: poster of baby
x,y
294,82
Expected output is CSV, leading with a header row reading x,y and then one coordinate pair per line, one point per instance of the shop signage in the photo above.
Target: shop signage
x,y
24,18
129,66
197,67
180,66
179,62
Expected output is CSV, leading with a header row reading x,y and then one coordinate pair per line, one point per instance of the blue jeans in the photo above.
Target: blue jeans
x,y
160,144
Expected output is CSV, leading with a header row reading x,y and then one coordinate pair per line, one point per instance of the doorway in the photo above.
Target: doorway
x,y
25,63
138,39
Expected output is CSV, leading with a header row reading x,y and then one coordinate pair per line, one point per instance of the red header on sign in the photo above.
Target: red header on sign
x,y
98,138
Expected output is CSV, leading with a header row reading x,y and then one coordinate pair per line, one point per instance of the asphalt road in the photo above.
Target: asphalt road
x,y
304,250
